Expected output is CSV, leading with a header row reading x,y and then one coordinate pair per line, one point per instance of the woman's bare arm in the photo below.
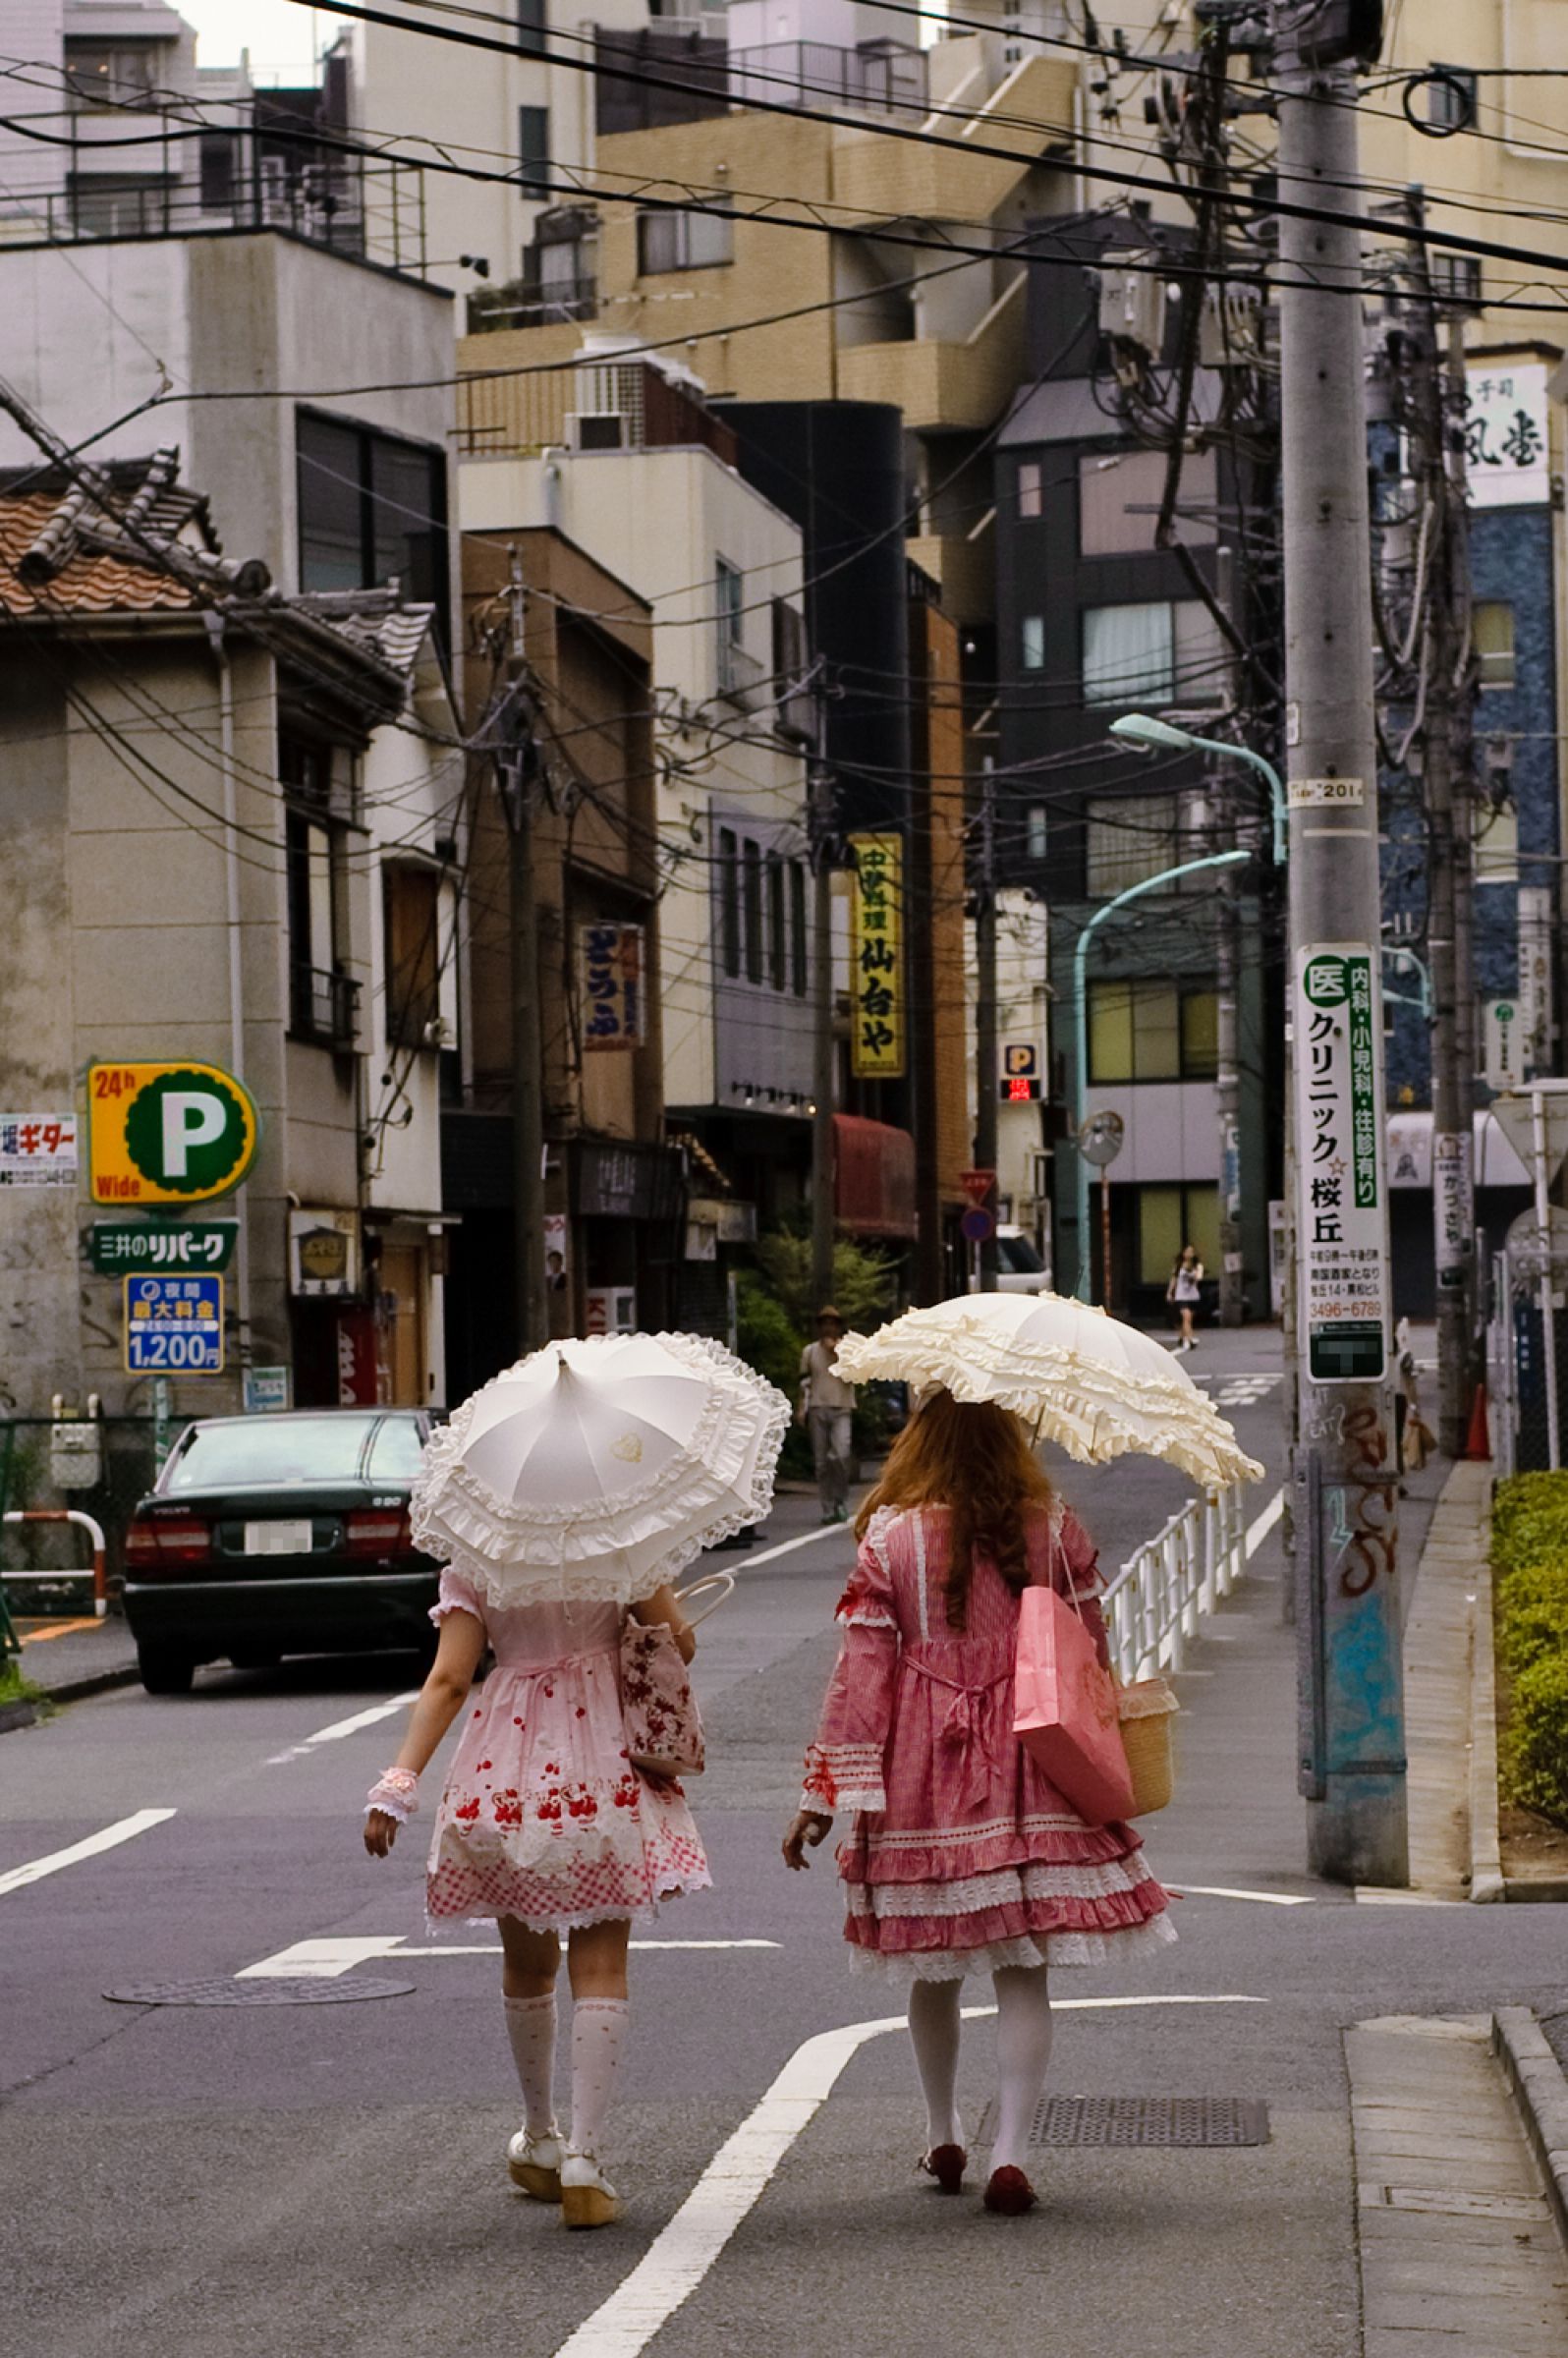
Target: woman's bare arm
x,y
440,1699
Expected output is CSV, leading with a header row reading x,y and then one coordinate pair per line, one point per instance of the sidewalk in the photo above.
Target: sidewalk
x,y
79,1657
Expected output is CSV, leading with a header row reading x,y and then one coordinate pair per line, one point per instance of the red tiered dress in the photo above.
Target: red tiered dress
x,y
963,1856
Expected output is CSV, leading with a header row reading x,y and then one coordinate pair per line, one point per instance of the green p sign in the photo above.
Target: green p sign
x,y
168,1133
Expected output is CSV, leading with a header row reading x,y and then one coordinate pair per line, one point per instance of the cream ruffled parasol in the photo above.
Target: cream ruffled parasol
x,y
597,1470
1091,1384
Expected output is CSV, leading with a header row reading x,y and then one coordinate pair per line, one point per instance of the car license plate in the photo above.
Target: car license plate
x,y
278,1539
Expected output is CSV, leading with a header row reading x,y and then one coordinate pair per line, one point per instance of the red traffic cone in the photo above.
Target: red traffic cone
x,y
1478,1440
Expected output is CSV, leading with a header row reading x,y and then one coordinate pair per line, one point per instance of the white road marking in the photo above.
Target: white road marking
x,y
345,1727
1379,1895
1269,1899
108,1838
327,1960
803,1539
1259,1531
680,2257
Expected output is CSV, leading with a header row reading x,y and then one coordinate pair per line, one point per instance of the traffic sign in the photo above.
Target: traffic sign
x,y
978,1185
167,1133
174,1326
978,1227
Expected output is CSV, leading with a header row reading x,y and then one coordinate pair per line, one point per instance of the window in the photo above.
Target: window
x,y
372,510
1202,657
1119,495
1169,1217
794,715
410,909
1031,488
111,74
1128,838
695,238
1031,638
1451,98
112,204
1146,1028
1492,631
1034,831
729,585
322,997
534,147
532,19
1128,653
751,856
219,162
777,939
798,928
1456,277
730,900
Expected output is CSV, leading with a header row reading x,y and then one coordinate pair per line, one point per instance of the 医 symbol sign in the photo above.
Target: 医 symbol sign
x,y
167,1133
1339,1150
174,1326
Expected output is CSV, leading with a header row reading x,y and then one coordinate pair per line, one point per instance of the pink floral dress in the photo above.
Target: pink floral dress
x,y
542,1816
963,1856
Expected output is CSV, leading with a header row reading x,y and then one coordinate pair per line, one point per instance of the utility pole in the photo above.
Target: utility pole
x,y
516,771
987,1071
1227,1073
1462,738
1352,1761
822,827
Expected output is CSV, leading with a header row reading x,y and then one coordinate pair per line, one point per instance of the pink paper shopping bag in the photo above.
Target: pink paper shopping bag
x,y
1065,1708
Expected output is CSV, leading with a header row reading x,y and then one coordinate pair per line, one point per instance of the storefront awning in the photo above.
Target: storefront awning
x,y
873,1178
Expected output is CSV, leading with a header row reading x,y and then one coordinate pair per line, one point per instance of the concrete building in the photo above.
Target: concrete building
x,y
227,841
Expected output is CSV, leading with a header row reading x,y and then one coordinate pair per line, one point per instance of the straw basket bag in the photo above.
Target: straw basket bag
x,y
1147,1710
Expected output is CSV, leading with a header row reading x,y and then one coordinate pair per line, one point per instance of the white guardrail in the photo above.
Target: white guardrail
x,y
1152,1604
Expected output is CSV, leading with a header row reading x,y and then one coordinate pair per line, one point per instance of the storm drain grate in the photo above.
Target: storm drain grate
x,y
1164,2120
264,1991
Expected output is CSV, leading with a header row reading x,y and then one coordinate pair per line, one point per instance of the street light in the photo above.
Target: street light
x,y
1138,728
1167,876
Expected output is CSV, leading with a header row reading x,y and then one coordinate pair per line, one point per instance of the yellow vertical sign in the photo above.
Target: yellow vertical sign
x,y
876,958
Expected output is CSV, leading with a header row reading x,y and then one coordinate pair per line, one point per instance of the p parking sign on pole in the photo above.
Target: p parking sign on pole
x,y
168,1133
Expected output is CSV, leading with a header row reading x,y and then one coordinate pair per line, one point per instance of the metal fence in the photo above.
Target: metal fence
x,y
1153,1604
100,1465
1517,1393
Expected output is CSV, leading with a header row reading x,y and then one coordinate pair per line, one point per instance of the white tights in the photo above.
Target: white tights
x,y
1023,2056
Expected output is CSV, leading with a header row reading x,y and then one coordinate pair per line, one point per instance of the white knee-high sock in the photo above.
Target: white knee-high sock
x,y
598,2034
1022,2054
933,2027
530,2027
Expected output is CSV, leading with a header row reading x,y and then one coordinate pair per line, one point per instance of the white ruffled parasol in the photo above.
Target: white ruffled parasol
x,y
1091,1382
597,1470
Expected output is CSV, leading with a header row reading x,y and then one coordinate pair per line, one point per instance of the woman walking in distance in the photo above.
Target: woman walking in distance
x,y
1186,1290
961,1855
546,1825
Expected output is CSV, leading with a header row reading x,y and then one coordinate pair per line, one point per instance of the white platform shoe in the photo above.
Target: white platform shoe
x,y
535,2165
588,2199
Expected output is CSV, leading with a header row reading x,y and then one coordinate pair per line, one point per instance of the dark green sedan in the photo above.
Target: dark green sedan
x,y
279,1533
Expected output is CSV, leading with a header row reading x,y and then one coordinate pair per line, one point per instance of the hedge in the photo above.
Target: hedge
x,y
1530,1570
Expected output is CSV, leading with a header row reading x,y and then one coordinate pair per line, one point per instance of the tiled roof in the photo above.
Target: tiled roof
x,y
90,580
377,623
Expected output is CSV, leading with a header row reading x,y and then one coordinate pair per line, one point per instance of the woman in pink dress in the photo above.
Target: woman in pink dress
x,y
544,1824
962,1857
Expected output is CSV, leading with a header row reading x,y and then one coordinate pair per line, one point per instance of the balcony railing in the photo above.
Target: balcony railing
x,y
522,305
324,1005
882,76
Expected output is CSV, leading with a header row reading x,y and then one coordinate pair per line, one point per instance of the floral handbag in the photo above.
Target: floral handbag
x,y
658,1710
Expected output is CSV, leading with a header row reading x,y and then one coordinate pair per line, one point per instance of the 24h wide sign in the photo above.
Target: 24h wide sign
x,y
167,1133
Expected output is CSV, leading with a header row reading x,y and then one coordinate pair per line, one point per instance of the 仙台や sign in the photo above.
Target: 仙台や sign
x,y
876,958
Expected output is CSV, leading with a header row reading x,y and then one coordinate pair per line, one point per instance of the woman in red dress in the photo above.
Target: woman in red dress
x,y
962,1856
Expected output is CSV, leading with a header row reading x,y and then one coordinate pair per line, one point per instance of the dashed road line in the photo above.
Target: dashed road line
x,y
108,1837
682,2254
1266,1899
327,1960
344,1727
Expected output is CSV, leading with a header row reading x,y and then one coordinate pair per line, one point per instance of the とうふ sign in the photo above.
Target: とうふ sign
x,y
611,960
876,958
167,1133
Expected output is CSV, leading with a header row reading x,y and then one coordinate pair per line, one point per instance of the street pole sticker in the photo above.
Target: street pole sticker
x,y
174,1326
168,1133
1342,1211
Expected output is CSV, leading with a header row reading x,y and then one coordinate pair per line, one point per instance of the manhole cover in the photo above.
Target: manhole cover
x,y
265,1990
1169,2120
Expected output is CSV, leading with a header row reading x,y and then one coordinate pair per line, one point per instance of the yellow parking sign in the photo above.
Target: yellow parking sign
x,y
167,1133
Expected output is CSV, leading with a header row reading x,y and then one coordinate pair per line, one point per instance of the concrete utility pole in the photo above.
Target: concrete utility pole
x,y
1352,1699
987,1071
517,770
1227,1076
822,822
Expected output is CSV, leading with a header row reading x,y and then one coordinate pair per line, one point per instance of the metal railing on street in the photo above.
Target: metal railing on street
x,y
1153,1604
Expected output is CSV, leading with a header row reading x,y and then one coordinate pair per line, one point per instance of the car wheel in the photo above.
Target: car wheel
x,y
256,1657
164,1671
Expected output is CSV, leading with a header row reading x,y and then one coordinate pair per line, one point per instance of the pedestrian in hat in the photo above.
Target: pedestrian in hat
x,y
826,1410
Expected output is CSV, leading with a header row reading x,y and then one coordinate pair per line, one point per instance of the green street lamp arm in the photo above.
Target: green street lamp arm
x,y
1138,728
1167,876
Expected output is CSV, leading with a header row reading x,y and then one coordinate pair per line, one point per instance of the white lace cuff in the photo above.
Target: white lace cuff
x,y
395,1793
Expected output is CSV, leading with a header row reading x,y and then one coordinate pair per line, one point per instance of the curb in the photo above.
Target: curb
x,y
1540,2091
16,1715
92,1682
1486,1879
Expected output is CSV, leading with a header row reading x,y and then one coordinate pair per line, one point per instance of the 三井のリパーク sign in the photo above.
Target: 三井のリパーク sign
x,y
1342,1208
167,1133
876,958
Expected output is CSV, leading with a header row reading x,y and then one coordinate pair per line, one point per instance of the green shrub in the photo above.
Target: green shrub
x,y
863,1283
1532,1615
772,1345
1530,1522
1536,1752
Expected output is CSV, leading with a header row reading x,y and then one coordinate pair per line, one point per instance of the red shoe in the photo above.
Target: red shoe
x,y
945,2164
1010,2193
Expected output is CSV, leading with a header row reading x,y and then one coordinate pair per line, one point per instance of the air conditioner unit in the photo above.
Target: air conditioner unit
x,y
596,429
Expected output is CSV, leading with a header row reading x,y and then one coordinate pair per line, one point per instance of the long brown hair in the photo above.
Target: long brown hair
x,y
976,1460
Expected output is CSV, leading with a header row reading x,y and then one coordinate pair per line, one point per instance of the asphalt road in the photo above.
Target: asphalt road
x,y
268,2181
